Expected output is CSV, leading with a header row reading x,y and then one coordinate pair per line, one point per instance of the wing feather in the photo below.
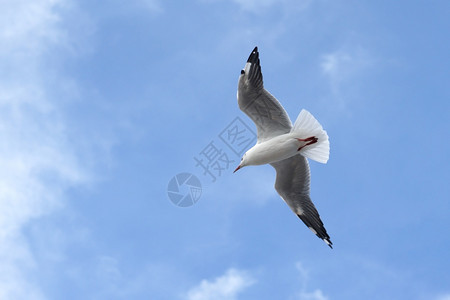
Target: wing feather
x,y
264,109
292,184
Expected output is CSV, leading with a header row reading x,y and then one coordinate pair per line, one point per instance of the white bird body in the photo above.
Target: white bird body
x,y
283,145
275,149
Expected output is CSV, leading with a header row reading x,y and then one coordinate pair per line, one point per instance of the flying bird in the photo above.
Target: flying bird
x,y
282,145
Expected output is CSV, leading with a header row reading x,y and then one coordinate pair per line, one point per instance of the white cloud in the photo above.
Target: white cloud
x,y
225,287
254,4
316,295
258,6
443,297
152,5
304,294
149,6
37,159
333,63
342,65
344,69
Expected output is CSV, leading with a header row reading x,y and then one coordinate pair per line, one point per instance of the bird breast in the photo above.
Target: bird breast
x,y
273,150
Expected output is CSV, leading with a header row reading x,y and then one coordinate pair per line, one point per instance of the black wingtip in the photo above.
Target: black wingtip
x,y
330,244
321,234
253,56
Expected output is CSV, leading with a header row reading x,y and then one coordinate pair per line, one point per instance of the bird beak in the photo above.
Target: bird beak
x,y
237,168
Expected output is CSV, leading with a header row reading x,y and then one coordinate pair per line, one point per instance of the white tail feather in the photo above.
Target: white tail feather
x,y
306,125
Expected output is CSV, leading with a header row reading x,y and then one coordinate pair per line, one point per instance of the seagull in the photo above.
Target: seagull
x,y
282,145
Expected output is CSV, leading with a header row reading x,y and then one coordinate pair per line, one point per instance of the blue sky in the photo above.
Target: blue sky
x,y
103,103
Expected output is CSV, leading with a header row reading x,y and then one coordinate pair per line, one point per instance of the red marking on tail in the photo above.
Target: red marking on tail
x,y
311,140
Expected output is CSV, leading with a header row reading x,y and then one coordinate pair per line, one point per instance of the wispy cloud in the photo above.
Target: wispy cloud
x,y
258,6
225,287
304,293
37,159
443,297
254,4
152,5
342,67
149,6
316,295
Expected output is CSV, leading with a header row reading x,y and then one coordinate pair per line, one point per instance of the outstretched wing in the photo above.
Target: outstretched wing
x,y
292,183
264,109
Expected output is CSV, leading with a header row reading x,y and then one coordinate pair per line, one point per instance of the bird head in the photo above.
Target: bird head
x,y
242,164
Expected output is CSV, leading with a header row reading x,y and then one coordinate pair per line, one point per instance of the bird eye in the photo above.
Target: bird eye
x,y
242,159
242,72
